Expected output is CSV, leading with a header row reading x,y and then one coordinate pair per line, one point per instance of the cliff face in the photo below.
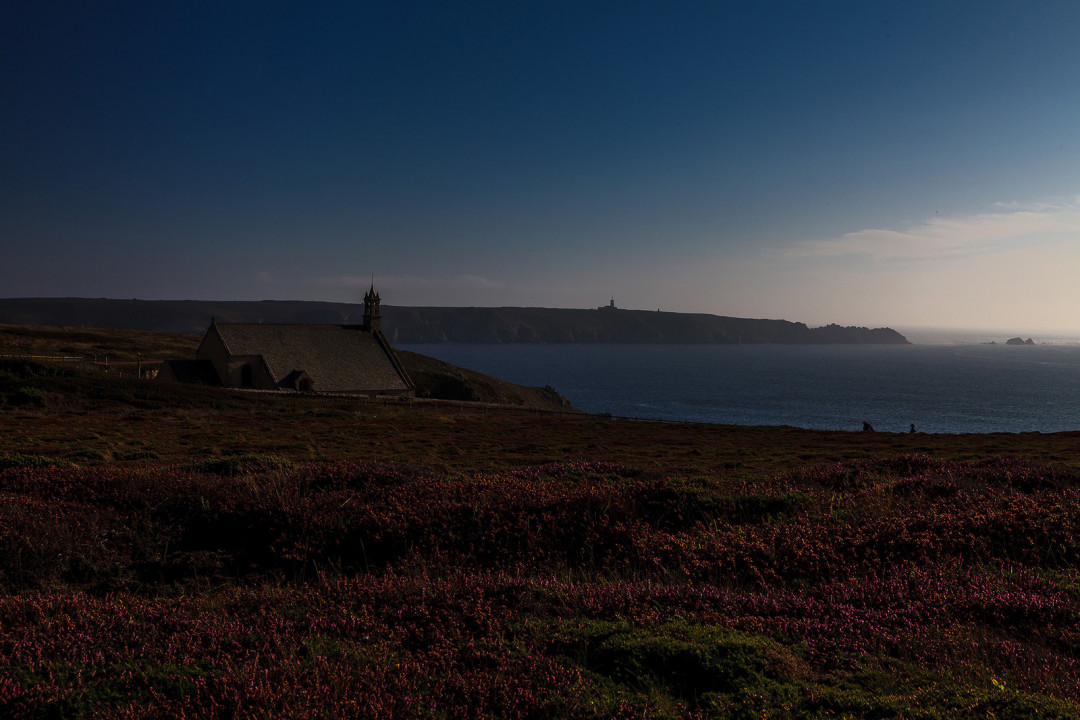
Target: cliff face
x,y
439,324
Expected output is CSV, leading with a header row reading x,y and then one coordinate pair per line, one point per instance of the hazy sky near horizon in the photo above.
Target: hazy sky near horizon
x,y
874,163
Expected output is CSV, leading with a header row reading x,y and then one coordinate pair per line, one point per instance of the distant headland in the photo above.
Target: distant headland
x,y
419,325
607,325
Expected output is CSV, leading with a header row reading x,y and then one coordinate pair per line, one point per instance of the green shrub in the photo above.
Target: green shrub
x,y
20,460
26,396
27,369
679,662
139,455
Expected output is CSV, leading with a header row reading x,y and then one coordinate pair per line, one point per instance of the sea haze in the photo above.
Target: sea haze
x,y
938,388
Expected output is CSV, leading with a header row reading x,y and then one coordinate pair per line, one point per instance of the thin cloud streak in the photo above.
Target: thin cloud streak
x,y
947,238
1013,268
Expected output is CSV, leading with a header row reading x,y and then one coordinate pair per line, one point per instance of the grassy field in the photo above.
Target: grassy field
x,y
181,551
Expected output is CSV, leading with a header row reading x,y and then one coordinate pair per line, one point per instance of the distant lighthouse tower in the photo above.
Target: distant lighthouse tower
x,y
372,319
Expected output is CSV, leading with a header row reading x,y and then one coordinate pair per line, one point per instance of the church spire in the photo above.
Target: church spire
x,y
372,319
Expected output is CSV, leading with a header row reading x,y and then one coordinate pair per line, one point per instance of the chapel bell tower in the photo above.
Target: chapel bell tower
x,y
372,320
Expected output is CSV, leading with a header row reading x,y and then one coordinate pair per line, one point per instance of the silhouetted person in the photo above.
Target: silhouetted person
x,y
867,427
912,429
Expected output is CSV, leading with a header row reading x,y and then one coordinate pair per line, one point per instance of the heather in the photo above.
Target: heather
x,y
901,585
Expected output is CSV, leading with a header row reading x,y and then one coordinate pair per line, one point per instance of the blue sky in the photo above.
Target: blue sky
x,y
873,163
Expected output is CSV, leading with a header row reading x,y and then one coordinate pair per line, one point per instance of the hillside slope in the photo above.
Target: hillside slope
x,y
437,379
127,351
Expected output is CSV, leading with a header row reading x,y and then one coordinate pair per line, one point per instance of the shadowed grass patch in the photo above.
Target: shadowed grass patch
x,y
242,464
680,662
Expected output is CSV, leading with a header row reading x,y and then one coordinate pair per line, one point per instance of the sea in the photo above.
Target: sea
x,y
938,387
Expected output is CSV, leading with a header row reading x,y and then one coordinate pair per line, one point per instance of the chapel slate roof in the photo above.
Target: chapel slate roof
x,y
337,358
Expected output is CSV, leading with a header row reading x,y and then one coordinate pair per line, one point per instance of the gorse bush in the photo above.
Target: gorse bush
x,y
20,381
26,369
26,396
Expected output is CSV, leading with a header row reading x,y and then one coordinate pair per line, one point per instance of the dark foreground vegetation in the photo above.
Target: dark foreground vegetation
x,y
196,553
